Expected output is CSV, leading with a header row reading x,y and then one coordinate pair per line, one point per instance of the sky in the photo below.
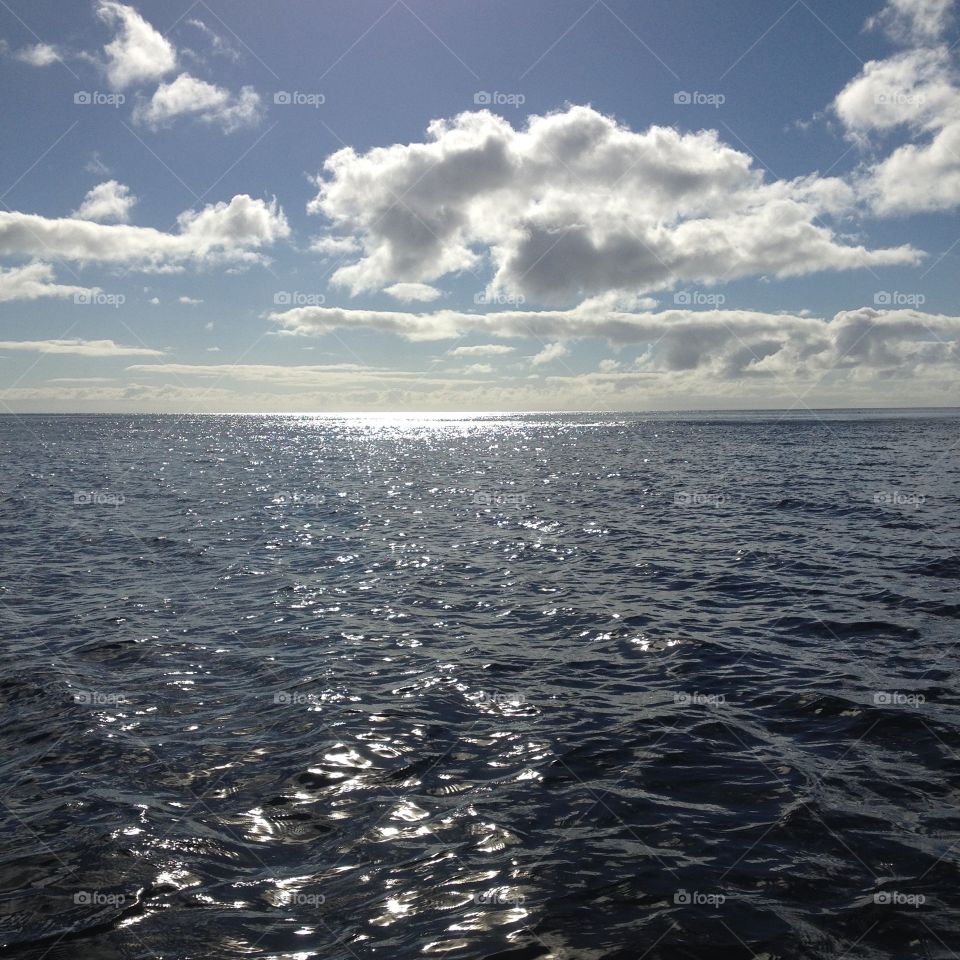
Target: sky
x,y
478,205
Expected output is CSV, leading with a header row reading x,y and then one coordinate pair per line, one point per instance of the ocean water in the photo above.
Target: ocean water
x,y
559,686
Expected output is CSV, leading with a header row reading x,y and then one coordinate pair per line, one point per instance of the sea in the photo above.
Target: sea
x,y
497,687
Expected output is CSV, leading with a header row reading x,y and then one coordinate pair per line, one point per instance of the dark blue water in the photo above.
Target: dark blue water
x,y
514,687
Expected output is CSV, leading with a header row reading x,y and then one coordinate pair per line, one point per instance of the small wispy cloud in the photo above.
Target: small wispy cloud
x,y
107,201
80,348
413,292
39,55
482,350
551,352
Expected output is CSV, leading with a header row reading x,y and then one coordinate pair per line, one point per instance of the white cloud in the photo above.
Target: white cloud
x,y
233,232
917,178
687,360
107,201
478,369
265,372
80,348
721,344
39,55
96,165
314,321
218,44
914,20
138,52
577,205
482,350
551,352
335,246
190,301
188,96
595,318
918,91
913,88
341,394
860,358
410,292
35,280
154,301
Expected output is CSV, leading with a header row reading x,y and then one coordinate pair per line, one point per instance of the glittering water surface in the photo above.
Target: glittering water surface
x,y
513,687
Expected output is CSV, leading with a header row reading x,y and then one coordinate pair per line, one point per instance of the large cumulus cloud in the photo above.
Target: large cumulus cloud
x,y
576,204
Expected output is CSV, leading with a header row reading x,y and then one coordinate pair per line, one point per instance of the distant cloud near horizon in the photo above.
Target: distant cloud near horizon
x,y
723,344
482,350
550,353
80,348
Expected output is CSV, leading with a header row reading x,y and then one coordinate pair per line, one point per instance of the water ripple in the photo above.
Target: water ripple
x,y
493,687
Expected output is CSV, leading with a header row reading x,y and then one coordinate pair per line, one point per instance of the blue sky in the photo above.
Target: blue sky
x,y
653,205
